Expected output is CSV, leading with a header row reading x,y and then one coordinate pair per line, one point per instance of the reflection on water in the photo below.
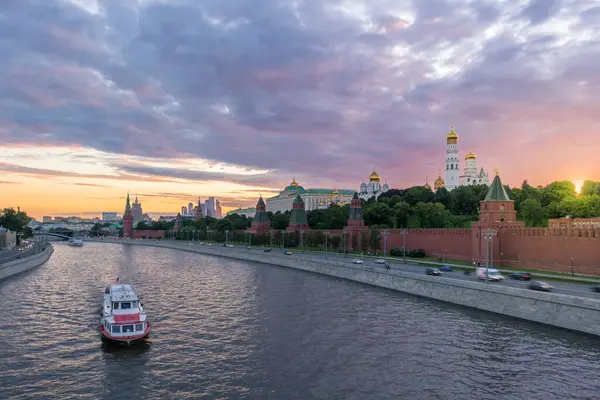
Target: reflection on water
x,y
229,329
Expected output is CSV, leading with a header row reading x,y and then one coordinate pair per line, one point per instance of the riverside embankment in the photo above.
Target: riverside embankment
x,y
564,311
26,263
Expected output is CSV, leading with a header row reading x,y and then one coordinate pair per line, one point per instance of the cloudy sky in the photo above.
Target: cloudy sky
x,y
175,99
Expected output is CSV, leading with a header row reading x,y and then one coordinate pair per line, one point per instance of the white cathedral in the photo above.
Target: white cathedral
x,y
470,176
373,188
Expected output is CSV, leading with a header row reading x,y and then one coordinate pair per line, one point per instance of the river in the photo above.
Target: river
x,y
226,329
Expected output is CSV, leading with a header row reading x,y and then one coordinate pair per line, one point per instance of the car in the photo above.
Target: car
x,y
380,261
229,245
433,271
595,289
248,247
522,276
288,253
492,273
357,261
446,268
267,250
539,285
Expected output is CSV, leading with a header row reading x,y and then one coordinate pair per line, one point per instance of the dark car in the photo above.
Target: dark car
x,y
522,276
266,250
595,289
446,268
539,285
433,271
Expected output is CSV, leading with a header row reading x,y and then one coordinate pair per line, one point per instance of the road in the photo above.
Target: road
x,y
13,254
572,289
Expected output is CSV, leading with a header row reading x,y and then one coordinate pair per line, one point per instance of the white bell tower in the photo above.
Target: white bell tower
x,y
452,162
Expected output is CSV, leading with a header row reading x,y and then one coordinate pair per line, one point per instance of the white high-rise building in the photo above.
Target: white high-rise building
x,y
452,162
106,216
210,207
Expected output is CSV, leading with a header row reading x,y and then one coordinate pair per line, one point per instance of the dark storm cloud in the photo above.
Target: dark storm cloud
x,y
328,89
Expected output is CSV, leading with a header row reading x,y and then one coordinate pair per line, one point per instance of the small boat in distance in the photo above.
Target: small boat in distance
x,y
75,242
122,318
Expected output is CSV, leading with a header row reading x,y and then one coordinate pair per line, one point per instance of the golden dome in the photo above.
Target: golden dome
x,y
439,182
335,191
470,156
452,137
374,176
294,184
426,186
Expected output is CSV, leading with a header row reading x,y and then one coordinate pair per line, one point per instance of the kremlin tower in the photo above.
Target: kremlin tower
x,y
356,224
128,220
261,223
298,219
198,215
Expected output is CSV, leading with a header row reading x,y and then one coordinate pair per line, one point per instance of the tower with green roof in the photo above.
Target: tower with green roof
x,y
356,224
261,223
497,207
298,219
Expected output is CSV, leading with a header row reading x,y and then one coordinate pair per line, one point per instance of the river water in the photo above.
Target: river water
x,y
226,329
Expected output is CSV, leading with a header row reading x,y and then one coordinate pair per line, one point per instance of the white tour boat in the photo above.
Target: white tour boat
x,y
122,318
75,242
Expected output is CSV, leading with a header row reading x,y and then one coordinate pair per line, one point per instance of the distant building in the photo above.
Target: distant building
x,y
313,198
136,211
106,217
248,212
218,211
191,208
46,218
183,210
210,207
574,223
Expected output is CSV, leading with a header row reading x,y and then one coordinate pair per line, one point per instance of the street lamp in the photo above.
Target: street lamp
x,y
446,251
385,236
226,236
488,236
283,231
302,240
404,232
270,238
326,236
572,267
501,260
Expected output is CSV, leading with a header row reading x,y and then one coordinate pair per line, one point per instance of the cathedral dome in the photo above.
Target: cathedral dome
x,y
294,186
452,137
439,182
335,191
374,176
470,156
426,186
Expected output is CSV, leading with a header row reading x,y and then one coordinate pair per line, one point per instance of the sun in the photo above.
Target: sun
x,y
578,185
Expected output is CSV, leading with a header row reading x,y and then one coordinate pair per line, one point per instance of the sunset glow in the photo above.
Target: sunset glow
x,y
220,105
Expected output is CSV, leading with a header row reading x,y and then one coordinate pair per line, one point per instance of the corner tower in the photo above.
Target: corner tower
x,y
128,220
198,215
452,162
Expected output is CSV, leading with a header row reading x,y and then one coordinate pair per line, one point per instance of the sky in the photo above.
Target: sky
x,y
175,99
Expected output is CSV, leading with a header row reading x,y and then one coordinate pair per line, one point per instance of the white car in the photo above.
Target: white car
x,y
380,261
357,261
493,274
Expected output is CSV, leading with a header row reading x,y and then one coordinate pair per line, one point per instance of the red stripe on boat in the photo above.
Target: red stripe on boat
x,y
127,317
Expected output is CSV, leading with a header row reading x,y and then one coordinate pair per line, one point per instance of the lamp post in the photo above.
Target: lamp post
x,y
385,236
488,236
326,235
302,241
446,251
270,239
283,231
501,260
404,232
572,267
226,236
344,238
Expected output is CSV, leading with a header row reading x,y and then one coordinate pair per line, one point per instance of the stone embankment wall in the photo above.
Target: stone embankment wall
x,y
564,311
24,264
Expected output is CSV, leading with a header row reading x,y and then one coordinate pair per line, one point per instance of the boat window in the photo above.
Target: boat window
x,y
125,306
139,327
116,329
127,328
115,306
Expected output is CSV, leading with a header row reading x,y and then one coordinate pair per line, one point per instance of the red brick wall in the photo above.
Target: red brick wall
x,y
552,249
435,242
148,234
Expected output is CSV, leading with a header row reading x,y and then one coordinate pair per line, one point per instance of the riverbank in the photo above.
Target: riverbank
x,y
575,313
20,265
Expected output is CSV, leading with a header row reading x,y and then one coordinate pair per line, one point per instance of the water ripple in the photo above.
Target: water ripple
x,y
227,329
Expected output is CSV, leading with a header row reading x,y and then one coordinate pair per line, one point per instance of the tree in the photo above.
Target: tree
x,y
418,194
364,241
433,215
401,212
377,214
590,188
532,213
16,221
141,226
